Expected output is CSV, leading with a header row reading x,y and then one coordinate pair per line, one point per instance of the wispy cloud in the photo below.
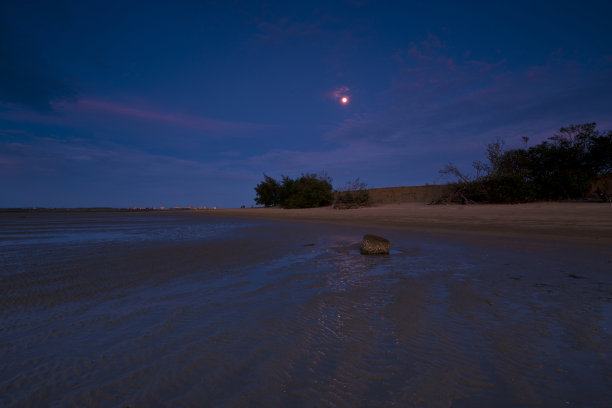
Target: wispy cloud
x,y
62,157
340,92
441,97
151,115
12,132
81,173
86,112
358,153
331,34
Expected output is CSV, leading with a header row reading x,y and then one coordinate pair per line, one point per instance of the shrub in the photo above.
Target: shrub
x,y
354,194
308,191
563,167
268,192
507,189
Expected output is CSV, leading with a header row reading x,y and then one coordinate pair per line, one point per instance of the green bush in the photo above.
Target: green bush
x,y
508,189
308,191
268,192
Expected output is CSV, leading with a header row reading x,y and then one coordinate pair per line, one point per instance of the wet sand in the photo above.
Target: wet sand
x,y
565,221
262,312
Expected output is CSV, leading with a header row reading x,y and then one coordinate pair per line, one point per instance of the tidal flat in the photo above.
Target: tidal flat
x,y
192,310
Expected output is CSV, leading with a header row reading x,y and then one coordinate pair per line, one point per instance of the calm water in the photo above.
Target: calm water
x,y
146,310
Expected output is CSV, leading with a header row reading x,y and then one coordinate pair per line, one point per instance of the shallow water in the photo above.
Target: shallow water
x,y
163,310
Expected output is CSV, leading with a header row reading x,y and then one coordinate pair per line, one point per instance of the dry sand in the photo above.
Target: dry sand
x,y
589,223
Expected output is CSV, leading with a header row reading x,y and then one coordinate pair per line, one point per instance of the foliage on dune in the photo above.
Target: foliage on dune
x,y
563,167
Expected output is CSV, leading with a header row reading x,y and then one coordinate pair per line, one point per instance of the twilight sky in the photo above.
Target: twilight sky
x,y
150,103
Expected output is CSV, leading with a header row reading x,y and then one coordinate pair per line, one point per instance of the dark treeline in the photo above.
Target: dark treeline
x,y
569,165
565,166
310,190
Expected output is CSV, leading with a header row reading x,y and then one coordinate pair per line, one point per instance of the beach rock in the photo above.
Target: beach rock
x,y
375,245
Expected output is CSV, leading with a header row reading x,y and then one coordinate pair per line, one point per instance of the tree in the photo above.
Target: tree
x,y
562,167
268,192
310,190
566,164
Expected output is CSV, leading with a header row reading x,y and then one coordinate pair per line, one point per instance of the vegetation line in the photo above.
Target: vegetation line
x,y
576,163
569,165
310,190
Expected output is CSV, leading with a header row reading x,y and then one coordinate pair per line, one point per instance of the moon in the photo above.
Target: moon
x,y
344,100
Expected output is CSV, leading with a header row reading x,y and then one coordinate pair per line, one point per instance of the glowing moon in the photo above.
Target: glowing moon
x,y
344,100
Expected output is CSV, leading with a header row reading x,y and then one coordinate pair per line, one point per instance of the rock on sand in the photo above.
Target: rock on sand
x,y
375,245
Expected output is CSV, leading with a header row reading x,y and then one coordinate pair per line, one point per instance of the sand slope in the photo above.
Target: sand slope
x,y
413,194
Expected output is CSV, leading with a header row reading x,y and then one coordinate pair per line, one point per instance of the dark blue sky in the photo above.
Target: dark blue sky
x,y
156,104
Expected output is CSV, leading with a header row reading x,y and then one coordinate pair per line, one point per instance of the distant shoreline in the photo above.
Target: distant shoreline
x,y
97,209
407,208
380,196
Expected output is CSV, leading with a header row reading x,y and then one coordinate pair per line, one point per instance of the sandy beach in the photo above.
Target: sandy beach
x,y
476,306
562,221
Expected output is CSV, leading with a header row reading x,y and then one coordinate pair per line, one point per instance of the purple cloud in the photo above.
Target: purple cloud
x,y
48,155
150,115
441,96
85,113
340,92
